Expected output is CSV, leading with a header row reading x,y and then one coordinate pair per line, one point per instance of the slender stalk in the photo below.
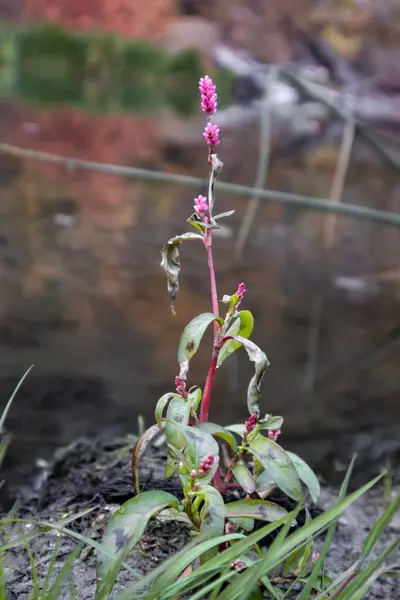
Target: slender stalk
x,y
205,403
213,284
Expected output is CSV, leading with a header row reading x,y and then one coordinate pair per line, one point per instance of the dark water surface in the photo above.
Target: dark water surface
x,y
82,296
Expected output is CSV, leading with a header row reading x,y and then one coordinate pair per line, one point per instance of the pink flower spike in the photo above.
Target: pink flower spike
x,y
240,293
200,205
209,98
211,134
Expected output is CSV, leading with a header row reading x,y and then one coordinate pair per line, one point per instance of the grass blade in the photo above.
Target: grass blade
x,y
380,526
329,537
9,403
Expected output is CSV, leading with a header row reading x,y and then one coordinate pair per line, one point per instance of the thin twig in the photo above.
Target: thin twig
x,y
330,224
317,204
263,168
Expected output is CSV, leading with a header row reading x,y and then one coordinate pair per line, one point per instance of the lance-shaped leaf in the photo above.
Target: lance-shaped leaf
x,y
190,340
243,522
271,422
172,514
219,432
242,326
212,517
199,444
237,428
127,526
171,263
140,447
307,476
261,510
243,477
161,404
264,482
194,397
278,465
260,359
223,215
178,413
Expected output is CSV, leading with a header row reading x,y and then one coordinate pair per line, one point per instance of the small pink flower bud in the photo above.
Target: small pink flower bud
x,y
251,423
180,386
315,556
211,134
200,205
202,471
193,474
273,434
196,486
209,98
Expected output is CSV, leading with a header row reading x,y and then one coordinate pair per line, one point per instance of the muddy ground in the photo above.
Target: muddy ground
x,y
97,474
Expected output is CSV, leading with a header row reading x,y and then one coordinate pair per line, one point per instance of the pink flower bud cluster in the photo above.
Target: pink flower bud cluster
x,y
273,434
180,386
200,205
209,103
240,293
250,424
209,98
206,464
211,134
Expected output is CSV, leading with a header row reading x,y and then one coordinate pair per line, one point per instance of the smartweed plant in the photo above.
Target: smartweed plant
x,y
252,459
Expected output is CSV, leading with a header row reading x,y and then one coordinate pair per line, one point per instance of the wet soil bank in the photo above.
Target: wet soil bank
x,y
97,475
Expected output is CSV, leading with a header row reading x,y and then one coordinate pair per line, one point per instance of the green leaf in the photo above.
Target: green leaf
x,y
243,522
178,413
172,514
194,397
297,561
278,465
222,215
191,339
264,482
199,444
128,524
272,423
212,517
237,428
219,432
243,326
257,356
243,477
262,510
171,263
307,476
161,404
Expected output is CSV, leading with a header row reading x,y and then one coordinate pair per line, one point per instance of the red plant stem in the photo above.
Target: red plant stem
x,y
205,402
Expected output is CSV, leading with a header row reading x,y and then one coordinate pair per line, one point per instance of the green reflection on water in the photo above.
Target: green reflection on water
x,y
99,72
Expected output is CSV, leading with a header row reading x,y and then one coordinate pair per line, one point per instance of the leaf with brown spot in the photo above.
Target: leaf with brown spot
x,y
191,338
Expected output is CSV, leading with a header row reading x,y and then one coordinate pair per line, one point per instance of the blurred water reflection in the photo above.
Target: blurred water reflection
x,y
83,298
